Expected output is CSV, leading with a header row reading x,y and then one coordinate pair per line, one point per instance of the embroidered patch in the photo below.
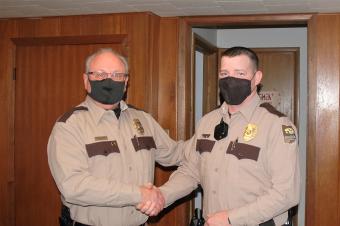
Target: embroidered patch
x,y
288,134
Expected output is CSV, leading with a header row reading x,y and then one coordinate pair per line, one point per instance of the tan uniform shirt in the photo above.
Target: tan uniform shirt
x,y
98,162
253,173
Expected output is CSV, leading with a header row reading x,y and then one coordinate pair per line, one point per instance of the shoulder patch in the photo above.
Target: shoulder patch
x,y
68,114
271,109
288,134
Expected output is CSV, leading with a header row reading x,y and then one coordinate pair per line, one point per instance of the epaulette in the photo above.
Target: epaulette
x,y
68,114
272,110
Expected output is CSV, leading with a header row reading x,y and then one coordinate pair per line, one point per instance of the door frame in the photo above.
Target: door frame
x,y
210,58
210,68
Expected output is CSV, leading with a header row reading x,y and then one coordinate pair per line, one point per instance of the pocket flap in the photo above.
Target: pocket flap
x,y
140,143
204,145
102,148
243,151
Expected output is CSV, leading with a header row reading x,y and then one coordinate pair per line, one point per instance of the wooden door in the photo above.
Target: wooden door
x,y
280,77
48,83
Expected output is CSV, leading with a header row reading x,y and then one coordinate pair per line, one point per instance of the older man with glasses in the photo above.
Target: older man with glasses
x,y
102,153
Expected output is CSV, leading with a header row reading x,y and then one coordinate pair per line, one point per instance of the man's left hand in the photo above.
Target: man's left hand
x,y
217,219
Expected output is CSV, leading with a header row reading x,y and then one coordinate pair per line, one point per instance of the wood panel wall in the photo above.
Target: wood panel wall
x,y
146,67
323,155
145,32
167,99
7,55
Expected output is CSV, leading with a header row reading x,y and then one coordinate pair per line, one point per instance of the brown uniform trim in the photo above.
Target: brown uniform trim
x,y
68,114
271,109
204,145
243,151
102,148
140,143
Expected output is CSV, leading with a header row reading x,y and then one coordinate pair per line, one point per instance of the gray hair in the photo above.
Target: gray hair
x,y
90,58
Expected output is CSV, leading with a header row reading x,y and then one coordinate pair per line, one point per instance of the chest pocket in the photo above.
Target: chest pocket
x,y
102,148
204,145
243,151
140,143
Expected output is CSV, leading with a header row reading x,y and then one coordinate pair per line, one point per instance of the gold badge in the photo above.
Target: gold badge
x,y
250,132
288,134
138,126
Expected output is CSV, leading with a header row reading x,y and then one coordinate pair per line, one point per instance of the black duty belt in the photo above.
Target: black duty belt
x,y
80,224
65,218
75,223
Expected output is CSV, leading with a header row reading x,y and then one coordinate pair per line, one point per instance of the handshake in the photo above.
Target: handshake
x,y
152,201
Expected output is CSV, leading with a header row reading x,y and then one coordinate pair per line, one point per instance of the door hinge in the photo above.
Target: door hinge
x,y
14,74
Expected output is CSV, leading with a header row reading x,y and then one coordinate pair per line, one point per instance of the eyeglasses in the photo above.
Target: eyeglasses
x,y
221,130
116,76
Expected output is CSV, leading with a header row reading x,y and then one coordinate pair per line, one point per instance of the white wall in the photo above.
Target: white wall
x,y
279,37
208,34
198,86
198,106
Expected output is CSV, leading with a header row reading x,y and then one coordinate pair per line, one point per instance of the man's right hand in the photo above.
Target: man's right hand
x,y
152,200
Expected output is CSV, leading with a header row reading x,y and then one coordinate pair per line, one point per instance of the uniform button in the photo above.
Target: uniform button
x,y
216,169
130,168
105,152
113,143
131,212
214,192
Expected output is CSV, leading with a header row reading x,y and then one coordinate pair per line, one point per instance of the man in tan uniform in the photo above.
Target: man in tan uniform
x,y
102,152
244,154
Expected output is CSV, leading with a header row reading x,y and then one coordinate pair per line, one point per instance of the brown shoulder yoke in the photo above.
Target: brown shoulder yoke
x,y
271,109
68,114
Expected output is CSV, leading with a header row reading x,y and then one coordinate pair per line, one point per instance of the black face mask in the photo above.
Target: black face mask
x,y
234,90
107,91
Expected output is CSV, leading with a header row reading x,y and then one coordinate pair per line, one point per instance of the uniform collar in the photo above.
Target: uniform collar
x,y
248,109
97,112
224,109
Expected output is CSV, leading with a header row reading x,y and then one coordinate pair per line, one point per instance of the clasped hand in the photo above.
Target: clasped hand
x,y
217,219
152,200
